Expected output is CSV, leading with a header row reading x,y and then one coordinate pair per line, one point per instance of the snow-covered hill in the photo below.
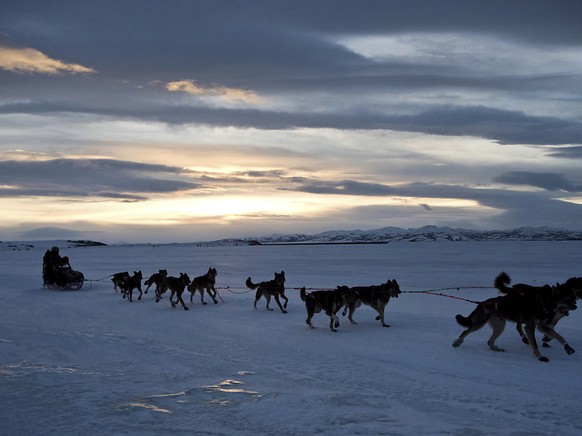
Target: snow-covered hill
x,y
427,233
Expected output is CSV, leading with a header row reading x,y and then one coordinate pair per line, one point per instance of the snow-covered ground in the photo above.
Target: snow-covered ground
x,y
89,362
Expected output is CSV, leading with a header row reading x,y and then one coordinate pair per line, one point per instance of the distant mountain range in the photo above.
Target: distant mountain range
x,y
377,236
395,234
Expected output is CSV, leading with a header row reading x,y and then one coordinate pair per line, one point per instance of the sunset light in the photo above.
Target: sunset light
x,y
280,119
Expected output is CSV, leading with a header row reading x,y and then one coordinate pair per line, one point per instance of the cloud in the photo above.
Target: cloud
x,y
344,187
506,207
503,126
571,152
547,181
106,178
191,87
29,60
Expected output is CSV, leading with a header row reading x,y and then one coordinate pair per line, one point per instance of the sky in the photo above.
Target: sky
x,y
172,121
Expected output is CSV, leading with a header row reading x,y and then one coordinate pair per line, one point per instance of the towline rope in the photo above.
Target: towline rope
x,y
436,291
440,294
453,288
99,280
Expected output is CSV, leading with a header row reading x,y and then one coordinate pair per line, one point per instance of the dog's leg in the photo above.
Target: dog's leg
x,y
381,310
310,312
279,303
179,299
472,323
209,290
546,339
332,323
549,331
530,332
352,310
268,297
498,325
379,306
161,291
308,320
333,320
140,292
283,296
258,296
202,295
520,332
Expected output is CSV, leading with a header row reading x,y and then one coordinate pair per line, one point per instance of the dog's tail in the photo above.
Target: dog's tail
x,y
501,282
302,293
463,321
251,285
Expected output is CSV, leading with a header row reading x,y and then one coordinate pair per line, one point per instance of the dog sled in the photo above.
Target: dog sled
x,y
58,274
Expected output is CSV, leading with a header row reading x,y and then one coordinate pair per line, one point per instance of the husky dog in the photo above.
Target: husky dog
x,y
275,288
572,288
329,301
131,283
202,283
570,291
156,279
119,278
377,297
176,285
536,308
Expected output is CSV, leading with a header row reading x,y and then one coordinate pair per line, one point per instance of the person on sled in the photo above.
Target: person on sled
x,y
55,269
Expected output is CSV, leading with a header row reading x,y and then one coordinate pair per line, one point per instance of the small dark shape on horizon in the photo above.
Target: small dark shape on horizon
x,y
86,243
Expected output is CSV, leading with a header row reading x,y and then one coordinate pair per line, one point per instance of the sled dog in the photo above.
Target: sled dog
x,y
176,285
535,309
131,283
156,279
118,279
328,301
377,297
204,283
272,288
569,292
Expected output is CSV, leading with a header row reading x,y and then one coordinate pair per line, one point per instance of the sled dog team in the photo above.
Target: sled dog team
x,y
329,301
163,282
530,307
